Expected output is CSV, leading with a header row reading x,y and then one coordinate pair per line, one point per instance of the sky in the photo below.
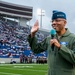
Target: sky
x,y
67,6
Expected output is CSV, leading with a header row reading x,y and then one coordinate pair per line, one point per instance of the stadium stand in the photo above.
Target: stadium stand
x,y
15,11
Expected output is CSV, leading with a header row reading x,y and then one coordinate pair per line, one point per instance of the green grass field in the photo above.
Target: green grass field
x,y
23,69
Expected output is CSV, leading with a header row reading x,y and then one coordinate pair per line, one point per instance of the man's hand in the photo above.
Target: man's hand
x,y
34,28
55,42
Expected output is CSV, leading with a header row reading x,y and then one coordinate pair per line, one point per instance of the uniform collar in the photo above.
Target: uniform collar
x,y
67,32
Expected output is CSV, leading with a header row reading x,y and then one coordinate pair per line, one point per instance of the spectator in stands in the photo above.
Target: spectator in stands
x,y
26,59
21,58
61,60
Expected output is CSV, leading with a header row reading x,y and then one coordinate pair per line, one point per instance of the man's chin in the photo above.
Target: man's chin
x,y
57,31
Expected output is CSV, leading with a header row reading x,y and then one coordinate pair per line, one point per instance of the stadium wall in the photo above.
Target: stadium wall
x,y
9,60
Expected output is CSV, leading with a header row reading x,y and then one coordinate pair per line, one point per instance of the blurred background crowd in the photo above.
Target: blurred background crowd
x,y
14,44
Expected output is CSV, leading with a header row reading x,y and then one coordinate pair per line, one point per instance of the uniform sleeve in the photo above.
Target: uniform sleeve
x,y
37,47
68,54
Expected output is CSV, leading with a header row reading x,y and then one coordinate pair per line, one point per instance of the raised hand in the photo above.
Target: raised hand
x,y
34,28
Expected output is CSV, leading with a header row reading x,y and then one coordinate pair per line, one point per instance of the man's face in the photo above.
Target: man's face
x,y
58,24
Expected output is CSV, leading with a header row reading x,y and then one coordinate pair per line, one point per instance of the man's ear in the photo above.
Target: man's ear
x,y
65,22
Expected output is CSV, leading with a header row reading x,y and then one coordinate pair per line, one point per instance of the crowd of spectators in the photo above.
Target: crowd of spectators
x,y
13,39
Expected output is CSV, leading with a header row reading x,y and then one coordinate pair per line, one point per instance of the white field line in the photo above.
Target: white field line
x,y
27,68
8,73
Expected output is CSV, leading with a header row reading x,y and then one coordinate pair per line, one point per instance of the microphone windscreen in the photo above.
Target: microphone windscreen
x,y
53,32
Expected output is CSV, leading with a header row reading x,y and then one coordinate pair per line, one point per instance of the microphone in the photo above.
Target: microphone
x,y
52,33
